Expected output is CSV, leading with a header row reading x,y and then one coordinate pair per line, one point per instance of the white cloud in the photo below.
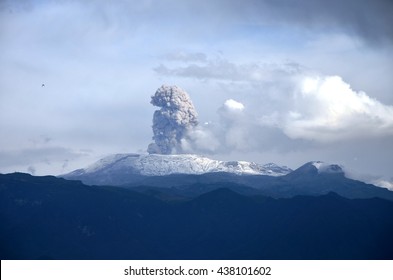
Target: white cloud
x,y
201,139
327,109
232,132
233,105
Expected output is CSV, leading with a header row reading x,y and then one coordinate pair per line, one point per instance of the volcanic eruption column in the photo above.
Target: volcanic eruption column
x,y
172,121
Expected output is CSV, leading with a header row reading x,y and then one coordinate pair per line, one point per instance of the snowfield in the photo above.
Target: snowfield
x,y
158,165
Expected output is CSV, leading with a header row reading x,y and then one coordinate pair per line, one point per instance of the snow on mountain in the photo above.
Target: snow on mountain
x,y
158,165
324,167
315,168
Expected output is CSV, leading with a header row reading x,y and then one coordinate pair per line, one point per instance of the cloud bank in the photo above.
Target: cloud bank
x,y
287,101
327,109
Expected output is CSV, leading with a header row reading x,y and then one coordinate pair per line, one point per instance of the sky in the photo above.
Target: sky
x,y
272,81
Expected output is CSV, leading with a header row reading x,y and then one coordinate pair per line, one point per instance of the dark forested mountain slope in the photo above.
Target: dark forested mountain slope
x,y
52,218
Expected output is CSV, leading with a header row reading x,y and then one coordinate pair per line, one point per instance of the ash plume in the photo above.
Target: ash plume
x,y
172,122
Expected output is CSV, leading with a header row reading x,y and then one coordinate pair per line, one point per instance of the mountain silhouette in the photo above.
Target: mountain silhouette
x,y
53,218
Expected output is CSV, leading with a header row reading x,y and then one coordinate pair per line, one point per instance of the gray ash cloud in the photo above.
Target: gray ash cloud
x,y
171,123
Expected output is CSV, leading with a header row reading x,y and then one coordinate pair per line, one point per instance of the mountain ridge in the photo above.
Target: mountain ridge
x,y
191,175
52,218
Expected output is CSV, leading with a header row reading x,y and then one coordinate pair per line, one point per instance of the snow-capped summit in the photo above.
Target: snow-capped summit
x,y
323,167
314,168
158,165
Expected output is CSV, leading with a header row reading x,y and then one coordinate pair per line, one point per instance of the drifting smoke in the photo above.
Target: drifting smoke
x,y
173,121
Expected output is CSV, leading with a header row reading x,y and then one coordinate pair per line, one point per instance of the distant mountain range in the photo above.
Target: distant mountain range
x,y
186,176
53,218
